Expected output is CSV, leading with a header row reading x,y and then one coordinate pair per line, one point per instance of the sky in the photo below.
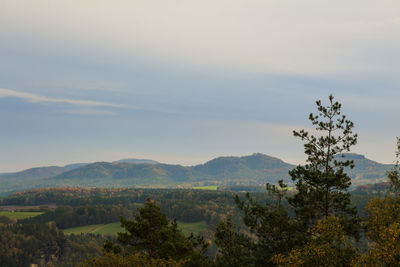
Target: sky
x,y
183,82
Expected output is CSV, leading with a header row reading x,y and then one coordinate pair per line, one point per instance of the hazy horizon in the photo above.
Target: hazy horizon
x,y
202,161
187,81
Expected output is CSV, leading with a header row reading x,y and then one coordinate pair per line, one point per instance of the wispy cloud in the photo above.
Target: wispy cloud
x,y
36,98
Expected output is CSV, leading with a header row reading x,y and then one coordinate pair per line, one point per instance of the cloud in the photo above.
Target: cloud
x,y
35,98
265,36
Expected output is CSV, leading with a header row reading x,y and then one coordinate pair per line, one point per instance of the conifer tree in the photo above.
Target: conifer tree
x,y
153,235
234,248
322,184
269,230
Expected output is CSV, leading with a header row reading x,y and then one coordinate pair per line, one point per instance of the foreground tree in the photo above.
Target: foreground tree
x,y
394,174
270,230
383,224
234,247
322,183
151,235
138,259
321,191
328,247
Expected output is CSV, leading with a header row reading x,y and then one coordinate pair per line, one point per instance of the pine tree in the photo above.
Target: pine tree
x,y
234,248
269,230
153,235
322,184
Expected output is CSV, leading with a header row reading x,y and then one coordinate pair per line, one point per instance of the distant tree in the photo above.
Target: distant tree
x,y
5,220
322,184
23,244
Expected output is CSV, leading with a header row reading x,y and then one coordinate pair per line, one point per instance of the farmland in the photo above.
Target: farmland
x,y
114,228
19,214
207,187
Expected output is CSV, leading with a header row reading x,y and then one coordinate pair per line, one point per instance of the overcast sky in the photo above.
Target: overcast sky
x,y
186,81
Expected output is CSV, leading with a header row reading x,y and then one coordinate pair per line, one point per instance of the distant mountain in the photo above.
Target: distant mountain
x,y
248,170
124,174
40,173
253,170
146,161
74,166
366,171
33,174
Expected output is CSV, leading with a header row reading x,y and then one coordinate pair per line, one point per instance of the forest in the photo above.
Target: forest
x,y
319,222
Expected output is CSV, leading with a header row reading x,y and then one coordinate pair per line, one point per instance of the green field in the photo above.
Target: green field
x,y
20,214
207,187
102,229
194,228
114,228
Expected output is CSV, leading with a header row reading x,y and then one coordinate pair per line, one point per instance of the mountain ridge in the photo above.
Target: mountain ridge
x,y
255,169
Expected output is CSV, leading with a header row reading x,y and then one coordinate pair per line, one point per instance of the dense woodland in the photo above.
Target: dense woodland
x,y
76,208
319,223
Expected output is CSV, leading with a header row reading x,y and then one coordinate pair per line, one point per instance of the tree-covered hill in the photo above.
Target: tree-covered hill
x,y
252,170
366,171
148,161
33,173
124,173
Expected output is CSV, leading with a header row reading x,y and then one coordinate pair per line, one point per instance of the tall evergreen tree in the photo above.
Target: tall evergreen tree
x,y
322,184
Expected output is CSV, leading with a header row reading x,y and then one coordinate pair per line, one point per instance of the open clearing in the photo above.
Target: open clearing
x,y
102,229
114,228
207,187
20,214
194,228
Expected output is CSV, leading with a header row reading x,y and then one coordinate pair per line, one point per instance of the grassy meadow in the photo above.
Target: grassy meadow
x,y
114,228
102,229
207,187
20,214
195,227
